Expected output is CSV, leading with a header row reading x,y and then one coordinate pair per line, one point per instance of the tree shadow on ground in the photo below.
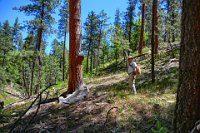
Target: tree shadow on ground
x,y
92,114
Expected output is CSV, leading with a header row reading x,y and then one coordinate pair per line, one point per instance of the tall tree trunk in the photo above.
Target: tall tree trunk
x,y
169,29
87,62
32,72
91,61
39,42
156,25
188,95
130,29
75,58
4,58
64,48
95,59
88,55
142,28
165,31
24,80
98,52
153,43
39,60
173,28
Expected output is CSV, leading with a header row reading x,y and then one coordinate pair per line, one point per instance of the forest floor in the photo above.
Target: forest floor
x,y
110,106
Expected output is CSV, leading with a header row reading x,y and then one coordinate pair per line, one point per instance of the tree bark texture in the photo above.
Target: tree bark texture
x,y
187,111
155,8
130,25
153,43
173,29
64,49
39,42
142,28
75,58
165,31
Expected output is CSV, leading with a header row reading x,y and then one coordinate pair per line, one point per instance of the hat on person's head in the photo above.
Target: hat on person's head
x,y
130,58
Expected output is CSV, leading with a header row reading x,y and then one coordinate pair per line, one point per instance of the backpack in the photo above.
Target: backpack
x,y
138,70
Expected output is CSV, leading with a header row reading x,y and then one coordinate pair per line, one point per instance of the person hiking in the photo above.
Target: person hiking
x,y
132,66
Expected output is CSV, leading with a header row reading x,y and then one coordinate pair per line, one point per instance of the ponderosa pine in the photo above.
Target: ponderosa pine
x,y
155,8
188,94
142,28
75,56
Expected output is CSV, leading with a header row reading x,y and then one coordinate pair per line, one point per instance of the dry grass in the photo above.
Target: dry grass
x,y
112,107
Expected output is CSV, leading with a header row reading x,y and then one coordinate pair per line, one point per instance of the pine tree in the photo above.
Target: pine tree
x,y
16,34
27,61
119,31
53,64
90,38
117,21
155,8
129,21
42,11
75,56
5,42
142,27
64,29
0,27
153,42
120,43
172,20
187,114
102,25
148,19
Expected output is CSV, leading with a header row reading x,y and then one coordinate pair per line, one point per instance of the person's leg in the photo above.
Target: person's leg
x,y
130,80
133,85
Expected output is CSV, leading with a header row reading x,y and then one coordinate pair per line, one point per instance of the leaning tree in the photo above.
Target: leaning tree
x,y
187,109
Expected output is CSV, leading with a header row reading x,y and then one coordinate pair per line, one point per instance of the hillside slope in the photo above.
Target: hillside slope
x,y
111,105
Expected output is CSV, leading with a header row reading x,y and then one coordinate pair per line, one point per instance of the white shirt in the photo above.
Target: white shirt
x,y
131,67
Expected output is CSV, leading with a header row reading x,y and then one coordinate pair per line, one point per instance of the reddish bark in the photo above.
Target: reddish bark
x,y
64,48
75,59
187,111
153,43
155,7
142,28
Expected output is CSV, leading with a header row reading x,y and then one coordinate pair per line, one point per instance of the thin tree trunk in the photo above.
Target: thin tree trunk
x,y
39,41
173,29
87,63
88,55
130,29
95,59
64,48
116,57
169,29
4,56
98,60
153,43
103,59
142,28
75,58
156,25
165,31
24,81
188,96
32,72
39,61
91,61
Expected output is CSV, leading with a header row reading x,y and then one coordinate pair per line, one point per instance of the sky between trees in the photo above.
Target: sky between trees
x,y
110,6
